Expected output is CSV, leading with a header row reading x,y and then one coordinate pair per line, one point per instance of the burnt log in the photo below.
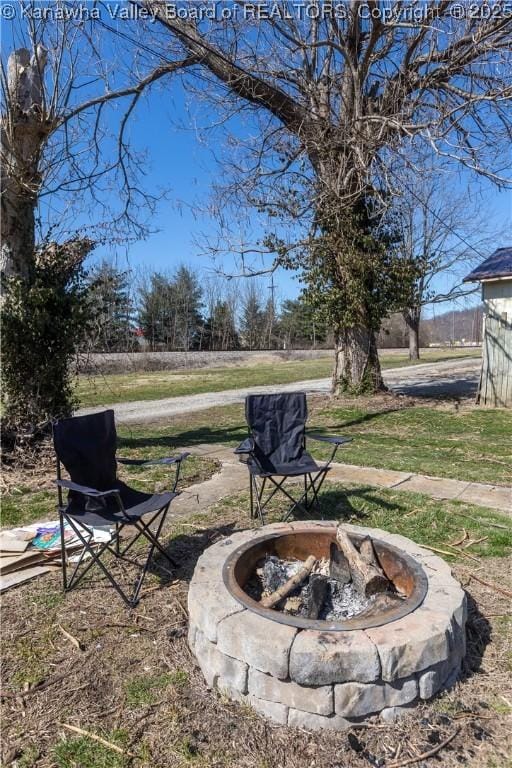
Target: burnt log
x,y
339,569
367,552
317,590
368,578
284,590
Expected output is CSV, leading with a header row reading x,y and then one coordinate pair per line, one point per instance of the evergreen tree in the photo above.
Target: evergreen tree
x,y
112,310
252,326
156,313
188,320
170,311
300,326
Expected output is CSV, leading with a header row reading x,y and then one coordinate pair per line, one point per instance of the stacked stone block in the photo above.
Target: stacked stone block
x,y
316,679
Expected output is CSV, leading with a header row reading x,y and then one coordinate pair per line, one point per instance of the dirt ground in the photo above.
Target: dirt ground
x,y
84,660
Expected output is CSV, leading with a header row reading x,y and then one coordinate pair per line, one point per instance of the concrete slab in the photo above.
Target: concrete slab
x,y
351,473
437,487
496,497
233,478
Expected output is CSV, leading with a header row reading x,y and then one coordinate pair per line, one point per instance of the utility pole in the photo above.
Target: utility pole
x,y
272,311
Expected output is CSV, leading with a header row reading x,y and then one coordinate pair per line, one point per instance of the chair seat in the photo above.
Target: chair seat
x,y
304,466
136,505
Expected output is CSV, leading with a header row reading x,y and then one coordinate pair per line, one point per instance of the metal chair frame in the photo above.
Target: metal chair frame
x,y
113,546
312,483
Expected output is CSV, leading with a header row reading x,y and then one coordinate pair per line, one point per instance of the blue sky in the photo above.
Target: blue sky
x,y
179,162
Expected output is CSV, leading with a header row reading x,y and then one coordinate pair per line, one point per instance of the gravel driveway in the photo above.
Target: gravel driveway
x,y
450,378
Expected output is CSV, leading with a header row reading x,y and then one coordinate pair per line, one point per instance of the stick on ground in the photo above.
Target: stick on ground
x,y
491,586
94,737
424,755
71,639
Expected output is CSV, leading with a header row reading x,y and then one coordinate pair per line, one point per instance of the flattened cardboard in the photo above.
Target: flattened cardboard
x,y
14,563
10,543
18,577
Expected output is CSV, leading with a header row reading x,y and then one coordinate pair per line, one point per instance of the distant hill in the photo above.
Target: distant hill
x,y
459,326
463,326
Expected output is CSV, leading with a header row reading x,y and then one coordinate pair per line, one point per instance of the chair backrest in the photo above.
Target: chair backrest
x,y
277,424
86,446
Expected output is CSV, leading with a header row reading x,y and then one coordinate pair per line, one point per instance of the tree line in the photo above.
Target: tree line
x,y
189,310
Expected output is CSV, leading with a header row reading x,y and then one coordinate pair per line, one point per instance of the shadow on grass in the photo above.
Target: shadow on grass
x,y
456,389
234,433
363,419
187,438
337,505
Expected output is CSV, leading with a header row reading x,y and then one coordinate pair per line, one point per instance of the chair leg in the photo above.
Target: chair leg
x,y
63,554
95,560
153,539
251,496
259,495
113,548
144,529
135,597
304,503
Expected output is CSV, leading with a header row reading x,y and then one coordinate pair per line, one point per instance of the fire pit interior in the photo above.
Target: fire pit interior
x,y
316,632
325,580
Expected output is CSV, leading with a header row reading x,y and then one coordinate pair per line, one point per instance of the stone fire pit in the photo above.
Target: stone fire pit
x,y
317,674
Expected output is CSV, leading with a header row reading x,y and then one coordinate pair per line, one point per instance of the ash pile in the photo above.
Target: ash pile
x,y
347,584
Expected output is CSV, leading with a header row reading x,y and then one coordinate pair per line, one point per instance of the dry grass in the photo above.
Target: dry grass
x,y
136,684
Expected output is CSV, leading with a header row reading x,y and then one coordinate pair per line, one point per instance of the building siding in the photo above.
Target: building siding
x,y
496,378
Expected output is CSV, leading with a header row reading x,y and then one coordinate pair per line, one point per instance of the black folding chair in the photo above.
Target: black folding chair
x,y
276,450
86,447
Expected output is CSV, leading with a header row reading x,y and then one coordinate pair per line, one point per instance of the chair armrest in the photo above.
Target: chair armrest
x,y
148,462
247,446
333,439
85,490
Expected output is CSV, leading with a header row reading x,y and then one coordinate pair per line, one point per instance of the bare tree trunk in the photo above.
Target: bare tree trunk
x,y
412,318
18,231
24,131
356,362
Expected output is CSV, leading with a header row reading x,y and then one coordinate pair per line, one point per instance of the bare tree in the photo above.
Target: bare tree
x,y
221,300
443,232
342,94
253,317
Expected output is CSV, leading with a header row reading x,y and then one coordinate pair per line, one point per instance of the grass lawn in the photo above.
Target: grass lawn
x,y
136,684
153,385
465,443
427,521
436,438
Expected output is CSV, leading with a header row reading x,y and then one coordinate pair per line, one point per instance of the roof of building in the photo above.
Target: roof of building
x,y
496,266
